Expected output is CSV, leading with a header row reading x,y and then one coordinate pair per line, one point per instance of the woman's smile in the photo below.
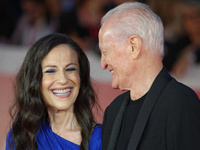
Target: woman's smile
x,y
61,80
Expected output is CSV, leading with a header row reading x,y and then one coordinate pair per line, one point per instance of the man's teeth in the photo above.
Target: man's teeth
x,y
111,71
62,92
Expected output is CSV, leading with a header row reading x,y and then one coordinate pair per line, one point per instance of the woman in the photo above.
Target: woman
x,y
54,98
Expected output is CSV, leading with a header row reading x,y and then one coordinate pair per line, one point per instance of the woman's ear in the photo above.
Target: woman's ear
x,y
136,45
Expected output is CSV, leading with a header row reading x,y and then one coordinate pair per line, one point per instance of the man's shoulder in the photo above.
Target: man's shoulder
x,y
179,95
181,89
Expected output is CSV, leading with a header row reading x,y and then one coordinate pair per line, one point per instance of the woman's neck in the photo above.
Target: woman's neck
x,y
65,125
62,120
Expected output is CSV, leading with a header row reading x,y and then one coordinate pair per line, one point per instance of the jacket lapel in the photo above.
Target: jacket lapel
x,y
117,124
148,105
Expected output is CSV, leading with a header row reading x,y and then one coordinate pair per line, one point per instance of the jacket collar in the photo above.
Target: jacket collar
x,y
153,95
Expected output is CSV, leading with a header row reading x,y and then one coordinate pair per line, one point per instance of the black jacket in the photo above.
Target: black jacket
x,y
169,118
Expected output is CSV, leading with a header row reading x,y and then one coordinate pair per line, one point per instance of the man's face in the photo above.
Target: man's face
x,y
116,58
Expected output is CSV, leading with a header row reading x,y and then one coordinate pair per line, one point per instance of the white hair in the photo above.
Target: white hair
x,y
135,18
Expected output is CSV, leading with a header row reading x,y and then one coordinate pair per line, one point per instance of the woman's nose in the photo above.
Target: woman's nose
x,y
62,78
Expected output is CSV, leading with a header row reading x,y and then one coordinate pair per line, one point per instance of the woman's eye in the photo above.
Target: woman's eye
x,y
70,69
50,71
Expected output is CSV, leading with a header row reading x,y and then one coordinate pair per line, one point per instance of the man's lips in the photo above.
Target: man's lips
x,y
111,70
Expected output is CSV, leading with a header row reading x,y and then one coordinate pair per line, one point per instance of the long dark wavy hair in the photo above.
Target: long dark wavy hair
x,y
29,109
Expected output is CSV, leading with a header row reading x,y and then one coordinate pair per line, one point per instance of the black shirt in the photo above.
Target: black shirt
x,y
128,122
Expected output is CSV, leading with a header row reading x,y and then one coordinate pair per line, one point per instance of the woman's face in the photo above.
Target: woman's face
x,y
60,82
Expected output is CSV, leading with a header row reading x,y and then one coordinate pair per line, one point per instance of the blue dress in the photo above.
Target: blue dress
x,y
47,139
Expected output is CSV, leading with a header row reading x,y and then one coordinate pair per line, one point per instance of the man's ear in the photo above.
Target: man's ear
x,y
136,45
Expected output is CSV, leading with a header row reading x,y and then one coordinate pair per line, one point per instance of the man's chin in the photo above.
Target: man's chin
x,y
115,86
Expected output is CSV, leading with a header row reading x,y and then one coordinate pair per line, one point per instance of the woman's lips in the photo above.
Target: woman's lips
x,y
62,92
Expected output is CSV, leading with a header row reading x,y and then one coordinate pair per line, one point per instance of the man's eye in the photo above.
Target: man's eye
x,y
104,53
70,69
50,71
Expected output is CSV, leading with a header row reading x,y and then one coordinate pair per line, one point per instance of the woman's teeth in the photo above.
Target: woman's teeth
x,y
62,92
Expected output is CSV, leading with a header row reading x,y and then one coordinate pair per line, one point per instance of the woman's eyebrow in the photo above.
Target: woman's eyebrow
x,y
49,66
54,66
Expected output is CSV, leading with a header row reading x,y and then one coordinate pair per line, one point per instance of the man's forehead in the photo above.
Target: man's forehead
x,y
108,24
105,37
105,33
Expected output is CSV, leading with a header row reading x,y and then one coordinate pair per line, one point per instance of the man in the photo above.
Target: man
x,y
156,112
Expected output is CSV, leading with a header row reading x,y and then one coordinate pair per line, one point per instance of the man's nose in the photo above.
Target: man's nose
x,y
103,63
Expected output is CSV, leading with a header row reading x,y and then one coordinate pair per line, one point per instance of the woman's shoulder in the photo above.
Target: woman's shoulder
x,y
95,141
9,140
98,125
97,129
